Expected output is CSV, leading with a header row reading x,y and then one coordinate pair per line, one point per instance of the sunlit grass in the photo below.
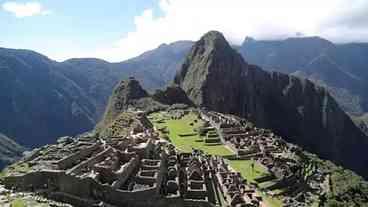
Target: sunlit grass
x,y
18,203
246,170
186,143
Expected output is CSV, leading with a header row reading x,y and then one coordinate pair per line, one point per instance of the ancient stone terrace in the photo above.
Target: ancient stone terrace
x,y
80,171
142,169
236,191
285,162
136,170
196,172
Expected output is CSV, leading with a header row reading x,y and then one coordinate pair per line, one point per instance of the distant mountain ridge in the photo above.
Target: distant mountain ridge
x,y
88,82
341,68
9,151
42,99
216,77
37,102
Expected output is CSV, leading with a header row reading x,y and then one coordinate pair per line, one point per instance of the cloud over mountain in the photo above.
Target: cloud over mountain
x,y
337,20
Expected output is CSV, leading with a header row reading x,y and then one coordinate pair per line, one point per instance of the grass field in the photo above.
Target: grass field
x,y
18,203
186,143
246,170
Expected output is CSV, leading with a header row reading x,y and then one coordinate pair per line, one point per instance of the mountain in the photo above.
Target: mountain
x,y
37,102
129,95
124,95
77,104
215,76
42,99
154,69
341,68
95,77
9,151
128,98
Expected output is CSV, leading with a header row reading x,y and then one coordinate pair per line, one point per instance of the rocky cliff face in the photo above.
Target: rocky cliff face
x,y
125,94
341,68
130,96
215,76
172,95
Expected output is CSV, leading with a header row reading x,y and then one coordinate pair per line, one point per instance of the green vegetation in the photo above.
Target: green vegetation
x,y
246,170
21,201
17,167
18,203
10,151
271,201
186,126
345,188
122,125
251,170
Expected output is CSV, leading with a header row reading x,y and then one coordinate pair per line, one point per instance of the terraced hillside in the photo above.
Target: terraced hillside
x,y
183,132
312,182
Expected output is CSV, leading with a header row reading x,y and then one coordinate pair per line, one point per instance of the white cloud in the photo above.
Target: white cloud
x,y
262,19
336,20
27,9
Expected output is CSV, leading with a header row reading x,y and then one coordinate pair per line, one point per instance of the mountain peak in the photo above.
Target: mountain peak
x,y
131,89
124,95
213,40
216,77
209,68
213,35
249,39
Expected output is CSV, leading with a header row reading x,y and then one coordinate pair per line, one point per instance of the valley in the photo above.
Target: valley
x,y
224,132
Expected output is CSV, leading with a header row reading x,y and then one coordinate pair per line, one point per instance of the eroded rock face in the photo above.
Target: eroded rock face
x,y
125,94
216,77
339,67
172,95
211,74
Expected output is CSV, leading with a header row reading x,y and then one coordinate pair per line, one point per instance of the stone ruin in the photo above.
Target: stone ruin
x,y
142,169
237,192
286,163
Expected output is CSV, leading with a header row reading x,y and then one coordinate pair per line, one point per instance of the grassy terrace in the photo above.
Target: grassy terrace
x,y
183,127
246,170
18,203
186,126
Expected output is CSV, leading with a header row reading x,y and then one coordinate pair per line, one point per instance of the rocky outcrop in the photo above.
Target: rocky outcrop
x,y
216,77
129,95
125,94
172,95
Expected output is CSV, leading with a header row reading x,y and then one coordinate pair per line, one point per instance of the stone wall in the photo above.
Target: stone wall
x,y
90,162
76,157
33,180
126,172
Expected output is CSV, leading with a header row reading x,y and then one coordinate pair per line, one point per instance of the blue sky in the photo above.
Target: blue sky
x,y
116,30
71,26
